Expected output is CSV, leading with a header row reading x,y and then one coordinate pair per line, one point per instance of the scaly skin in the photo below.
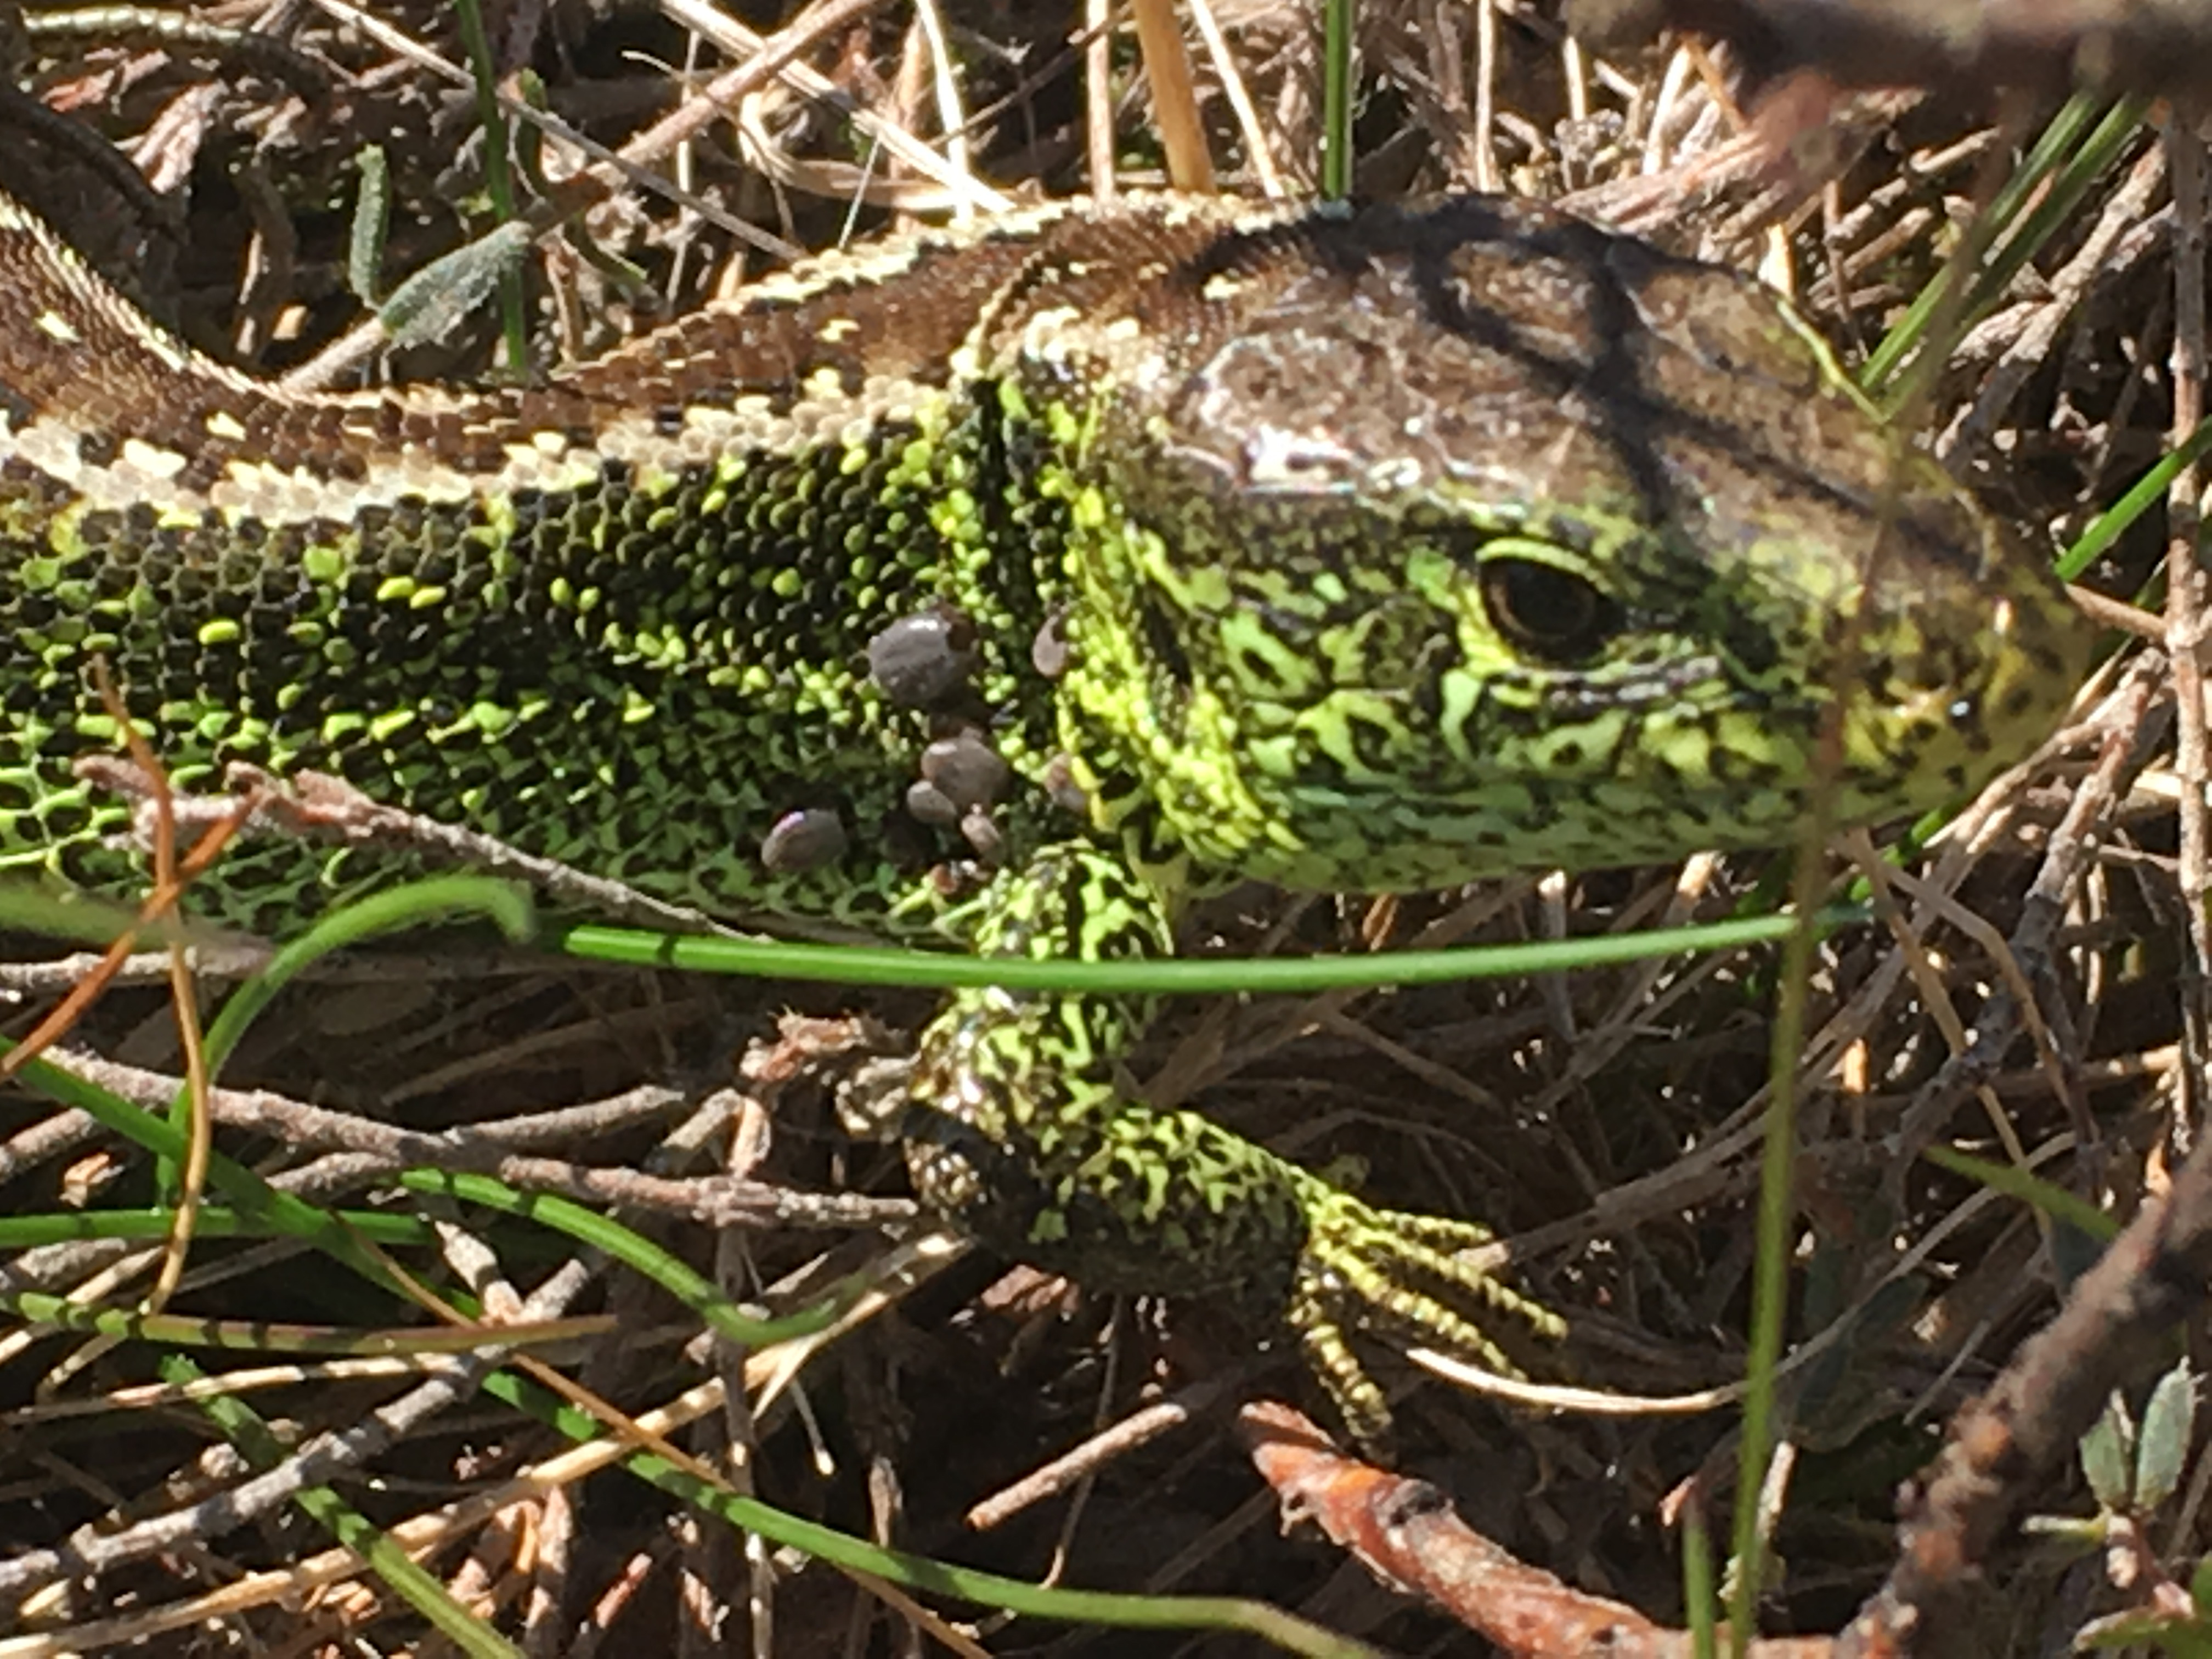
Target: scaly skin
x,y
1377,552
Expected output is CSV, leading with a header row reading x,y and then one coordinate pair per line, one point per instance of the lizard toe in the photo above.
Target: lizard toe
x,y
1403,1279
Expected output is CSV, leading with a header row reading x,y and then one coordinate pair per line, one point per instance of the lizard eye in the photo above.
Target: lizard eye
x,y
1550,613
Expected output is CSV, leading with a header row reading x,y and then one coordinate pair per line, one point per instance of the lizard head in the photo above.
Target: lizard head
x,y
1440,543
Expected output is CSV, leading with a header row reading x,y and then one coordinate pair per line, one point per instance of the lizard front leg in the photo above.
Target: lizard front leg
x,y
1022,1130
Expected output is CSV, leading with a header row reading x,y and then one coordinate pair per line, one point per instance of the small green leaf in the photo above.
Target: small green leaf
x,y
2121,1629
2169,1421
2108,1453
439,298
2200,1585
2079,1533
372,218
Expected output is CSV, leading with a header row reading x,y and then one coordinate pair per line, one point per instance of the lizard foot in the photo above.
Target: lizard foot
x,y
1399,1276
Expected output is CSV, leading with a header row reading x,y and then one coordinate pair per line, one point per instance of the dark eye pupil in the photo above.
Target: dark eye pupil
x,y
1547,611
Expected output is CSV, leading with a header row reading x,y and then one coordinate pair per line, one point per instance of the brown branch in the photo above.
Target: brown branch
x,y
1407,1532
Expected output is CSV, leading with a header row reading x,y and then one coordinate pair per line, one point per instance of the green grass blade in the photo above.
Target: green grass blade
x,y
852,964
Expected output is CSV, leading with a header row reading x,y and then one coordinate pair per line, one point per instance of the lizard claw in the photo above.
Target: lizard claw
x,y
1400,1276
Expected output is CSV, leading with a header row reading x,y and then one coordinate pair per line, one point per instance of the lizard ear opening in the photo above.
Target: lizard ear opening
x,y
1552,614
